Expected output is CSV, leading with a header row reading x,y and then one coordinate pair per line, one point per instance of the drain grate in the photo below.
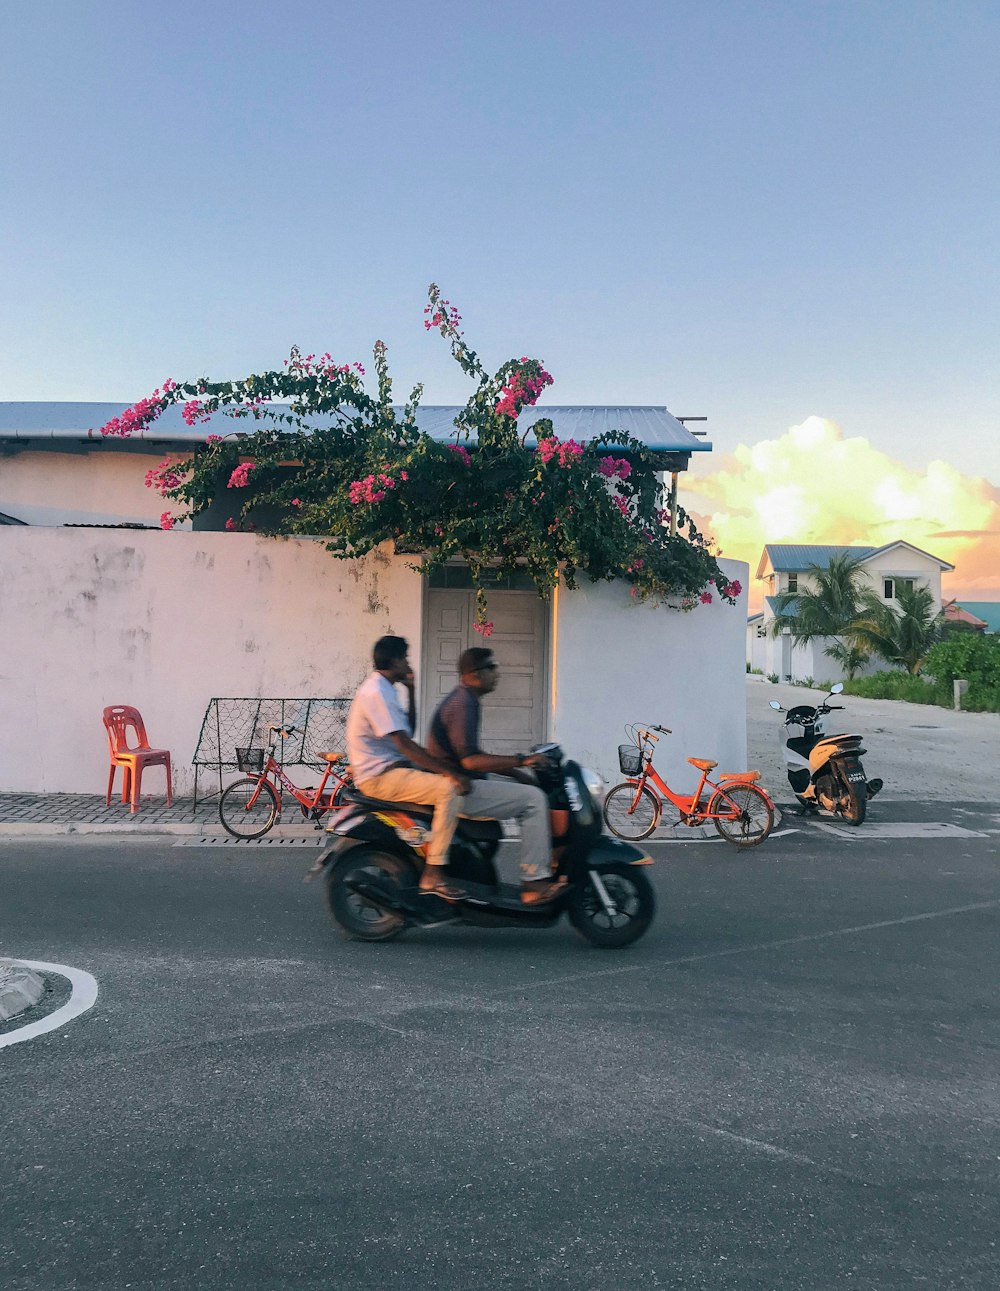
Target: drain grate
x,y
225,840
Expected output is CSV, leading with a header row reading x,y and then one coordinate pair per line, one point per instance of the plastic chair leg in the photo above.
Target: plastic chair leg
x,y
136,787
170,790
111,783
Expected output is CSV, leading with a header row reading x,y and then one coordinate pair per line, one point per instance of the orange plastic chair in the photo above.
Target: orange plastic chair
x,y
131,758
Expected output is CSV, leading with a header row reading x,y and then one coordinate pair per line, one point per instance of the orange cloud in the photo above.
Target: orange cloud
x,y
814,485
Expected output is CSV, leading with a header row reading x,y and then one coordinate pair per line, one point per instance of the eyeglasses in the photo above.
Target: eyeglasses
x,y
485,667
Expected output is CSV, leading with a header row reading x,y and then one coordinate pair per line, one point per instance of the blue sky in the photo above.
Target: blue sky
x,y
757,212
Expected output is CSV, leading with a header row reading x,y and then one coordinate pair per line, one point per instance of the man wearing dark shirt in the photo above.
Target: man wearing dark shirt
x,y
454,739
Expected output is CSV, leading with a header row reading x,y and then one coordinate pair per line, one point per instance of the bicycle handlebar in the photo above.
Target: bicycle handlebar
x,y
286,732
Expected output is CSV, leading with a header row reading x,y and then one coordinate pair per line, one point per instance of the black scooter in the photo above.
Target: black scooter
x,y
825,770
372,868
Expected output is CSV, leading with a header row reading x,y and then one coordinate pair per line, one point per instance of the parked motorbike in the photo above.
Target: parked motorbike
x,y
825,770
372,868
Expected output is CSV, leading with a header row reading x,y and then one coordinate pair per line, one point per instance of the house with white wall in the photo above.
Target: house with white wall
x,y
100,606
787,568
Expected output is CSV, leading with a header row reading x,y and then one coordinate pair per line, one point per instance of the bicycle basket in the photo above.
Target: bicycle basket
x,y
250,761
630,759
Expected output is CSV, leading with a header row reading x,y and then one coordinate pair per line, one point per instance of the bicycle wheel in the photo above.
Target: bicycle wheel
x,y
755,820
241,818
629,816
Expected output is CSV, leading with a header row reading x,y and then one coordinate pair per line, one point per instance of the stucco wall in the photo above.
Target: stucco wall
x,y
55,488
166,621
617,662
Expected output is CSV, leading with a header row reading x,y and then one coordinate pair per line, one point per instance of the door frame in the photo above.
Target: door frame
x,y
425,708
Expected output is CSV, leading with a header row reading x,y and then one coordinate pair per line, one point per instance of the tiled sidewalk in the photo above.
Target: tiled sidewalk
x,y
63,810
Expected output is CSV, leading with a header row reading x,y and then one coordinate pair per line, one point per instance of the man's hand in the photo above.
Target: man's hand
x,y
536,760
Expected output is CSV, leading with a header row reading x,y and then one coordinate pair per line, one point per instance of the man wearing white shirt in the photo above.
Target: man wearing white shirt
x,y
387,763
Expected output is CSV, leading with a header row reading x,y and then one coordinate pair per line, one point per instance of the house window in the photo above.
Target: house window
x,y
888,589
793,582
890,586
761,632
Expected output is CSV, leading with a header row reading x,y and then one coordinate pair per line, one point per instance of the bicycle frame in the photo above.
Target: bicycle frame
x,y
308,799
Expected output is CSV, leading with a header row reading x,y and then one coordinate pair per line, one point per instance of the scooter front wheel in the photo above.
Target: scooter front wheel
x,y
633,903
355,915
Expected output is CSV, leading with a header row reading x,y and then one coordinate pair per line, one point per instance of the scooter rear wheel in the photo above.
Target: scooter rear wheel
x,y
853,803
633,898
355,917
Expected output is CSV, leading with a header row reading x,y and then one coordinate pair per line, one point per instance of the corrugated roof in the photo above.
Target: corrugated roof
x,y
795,558
988,611
655,427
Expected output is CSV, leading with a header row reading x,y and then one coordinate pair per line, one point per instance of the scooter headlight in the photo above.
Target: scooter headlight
x,y
595,785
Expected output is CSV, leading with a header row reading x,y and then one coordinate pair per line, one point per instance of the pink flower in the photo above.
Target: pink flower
x,y
463,453
403,475
706,598
240,477
734,588
231,524
213,439
296,502
166,520
484,629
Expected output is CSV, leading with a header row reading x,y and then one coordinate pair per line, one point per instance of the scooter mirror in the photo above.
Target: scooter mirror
x,y
835,690
775,705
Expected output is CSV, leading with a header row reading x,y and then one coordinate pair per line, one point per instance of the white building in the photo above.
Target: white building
x,y
787,568
100,606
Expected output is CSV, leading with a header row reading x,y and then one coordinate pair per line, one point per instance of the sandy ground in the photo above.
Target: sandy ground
x,y
917,749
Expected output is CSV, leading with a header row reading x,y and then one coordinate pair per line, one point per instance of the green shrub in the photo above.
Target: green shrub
x,y
899,685
972,657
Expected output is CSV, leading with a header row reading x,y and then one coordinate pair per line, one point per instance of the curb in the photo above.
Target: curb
x,y
20,988
54,829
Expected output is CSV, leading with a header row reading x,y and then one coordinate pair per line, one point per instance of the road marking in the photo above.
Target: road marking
x,y
753,946
894,829
783,833
84,997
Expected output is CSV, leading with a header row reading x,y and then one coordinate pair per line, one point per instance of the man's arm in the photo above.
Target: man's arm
x,y
419,756
499,763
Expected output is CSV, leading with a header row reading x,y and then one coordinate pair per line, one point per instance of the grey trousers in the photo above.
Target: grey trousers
x,y
500,798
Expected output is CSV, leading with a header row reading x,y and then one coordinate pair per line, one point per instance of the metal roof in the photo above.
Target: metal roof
x,y
796,558
987,611
655,427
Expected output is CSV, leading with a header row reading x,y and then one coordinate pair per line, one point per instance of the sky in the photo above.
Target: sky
x,y
771,214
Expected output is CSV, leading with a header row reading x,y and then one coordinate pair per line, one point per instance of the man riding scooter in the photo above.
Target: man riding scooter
x,y
454,740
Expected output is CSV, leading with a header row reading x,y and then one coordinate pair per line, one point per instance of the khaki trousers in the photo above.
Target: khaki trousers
x,y
407,784
494,798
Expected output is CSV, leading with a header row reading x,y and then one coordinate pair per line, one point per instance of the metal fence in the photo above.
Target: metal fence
x,y
229,724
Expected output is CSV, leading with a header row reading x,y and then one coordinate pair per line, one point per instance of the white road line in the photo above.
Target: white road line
x,y
84,997
783,833
751,947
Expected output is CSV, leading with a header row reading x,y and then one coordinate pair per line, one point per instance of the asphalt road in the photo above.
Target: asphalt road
x,y
791,1082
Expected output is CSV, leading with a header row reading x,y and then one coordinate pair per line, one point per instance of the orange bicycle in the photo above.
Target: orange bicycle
x,y
741,811
249,808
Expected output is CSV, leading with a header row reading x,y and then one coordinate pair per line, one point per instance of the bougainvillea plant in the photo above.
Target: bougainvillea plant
x,y
319,455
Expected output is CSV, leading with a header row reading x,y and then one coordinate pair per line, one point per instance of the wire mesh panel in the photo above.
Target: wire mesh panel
x,y
242,723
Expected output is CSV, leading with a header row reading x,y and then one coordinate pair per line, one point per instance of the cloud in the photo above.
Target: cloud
x,y
815,485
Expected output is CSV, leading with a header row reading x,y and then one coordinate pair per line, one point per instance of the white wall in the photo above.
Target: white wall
x,y
166,621
616,662
55,488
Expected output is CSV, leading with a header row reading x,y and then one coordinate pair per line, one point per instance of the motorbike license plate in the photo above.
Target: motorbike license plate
x,y
855,776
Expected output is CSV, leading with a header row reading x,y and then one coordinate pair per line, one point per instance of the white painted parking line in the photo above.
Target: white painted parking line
x,y
895,829
83,998
783,833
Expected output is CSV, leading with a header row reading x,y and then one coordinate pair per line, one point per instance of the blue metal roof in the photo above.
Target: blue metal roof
x,y
796,558
655,427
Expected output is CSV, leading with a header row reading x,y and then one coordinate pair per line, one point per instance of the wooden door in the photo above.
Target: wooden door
x,y
514,716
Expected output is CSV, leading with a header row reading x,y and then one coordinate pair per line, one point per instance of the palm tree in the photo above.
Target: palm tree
x,y
828,610
900,637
